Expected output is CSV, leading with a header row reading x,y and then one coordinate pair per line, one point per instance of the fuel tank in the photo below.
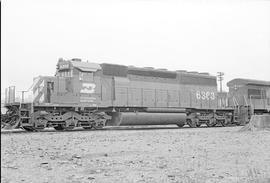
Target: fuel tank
x,y
144,118
165,110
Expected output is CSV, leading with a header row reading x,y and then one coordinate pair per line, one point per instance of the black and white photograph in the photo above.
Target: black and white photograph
x,y
135,91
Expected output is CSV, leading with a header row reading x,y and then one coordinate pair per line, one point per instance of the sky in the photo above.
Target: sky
x,y
205,36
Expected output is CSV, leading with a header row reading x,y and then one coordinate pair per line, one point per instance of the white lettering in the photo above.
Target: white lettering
x,y
64,66
205,95
212,96
198,95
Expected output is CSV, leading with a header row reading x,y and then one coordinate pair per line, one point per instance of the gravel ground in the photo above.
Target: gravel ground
x,y
154,155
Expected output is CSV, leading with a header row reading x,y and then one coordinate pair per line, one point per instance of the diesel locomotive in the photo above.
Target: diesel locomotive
x,y
91,95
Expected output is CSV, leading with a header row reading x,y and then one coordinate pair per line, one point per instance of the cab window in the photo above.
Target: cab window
x,y
86,76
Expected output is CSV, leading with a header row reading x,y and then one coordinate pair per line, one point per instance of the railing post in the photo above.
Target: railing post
x,y
23,96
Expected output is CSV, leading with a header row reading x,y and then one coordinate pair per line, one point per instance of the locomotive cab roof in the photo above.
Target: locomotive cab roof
x,y
78,64
86,66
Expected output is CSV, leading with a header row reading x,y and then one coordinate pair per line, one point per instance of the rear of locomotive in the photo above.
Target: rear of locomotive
x,y
200,98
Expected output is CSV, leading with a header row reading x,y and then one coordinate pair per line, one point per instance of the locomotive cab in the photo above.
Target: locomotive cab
x,y
75,82
53,100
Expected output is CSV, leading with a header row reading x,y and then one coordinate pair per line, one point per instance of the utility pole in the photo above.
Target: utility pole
x,y
220,78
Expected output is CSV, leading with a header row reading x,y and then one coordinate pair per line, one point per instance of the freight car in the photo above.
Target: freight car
x,y
90,95
247,97
252,93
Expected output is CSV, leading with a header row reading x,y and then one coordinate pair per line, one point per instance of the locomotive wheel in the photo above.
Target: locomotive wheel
x,y
40,124
98,127
224,122
28,128
62,127
13,123
198,124
211,122
37,122
69,128
99,124
87,127
238,123
192,123
4,120
31,128
70,124
180,125
59,127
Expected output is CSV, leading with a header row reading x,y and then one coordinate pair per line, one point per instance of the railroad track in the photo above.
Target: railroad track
x,y
111,128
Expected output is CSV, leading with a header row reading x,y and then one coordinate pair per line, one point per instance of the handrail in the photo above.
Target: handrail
x,y
245,100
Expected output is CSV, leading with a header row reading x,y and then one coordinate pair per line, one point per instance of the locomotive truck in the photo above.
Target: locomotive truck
x,y
91,95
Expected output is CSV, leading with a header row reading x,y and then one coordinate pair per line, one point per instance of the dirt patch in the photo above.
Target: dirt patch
x,y
161,155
